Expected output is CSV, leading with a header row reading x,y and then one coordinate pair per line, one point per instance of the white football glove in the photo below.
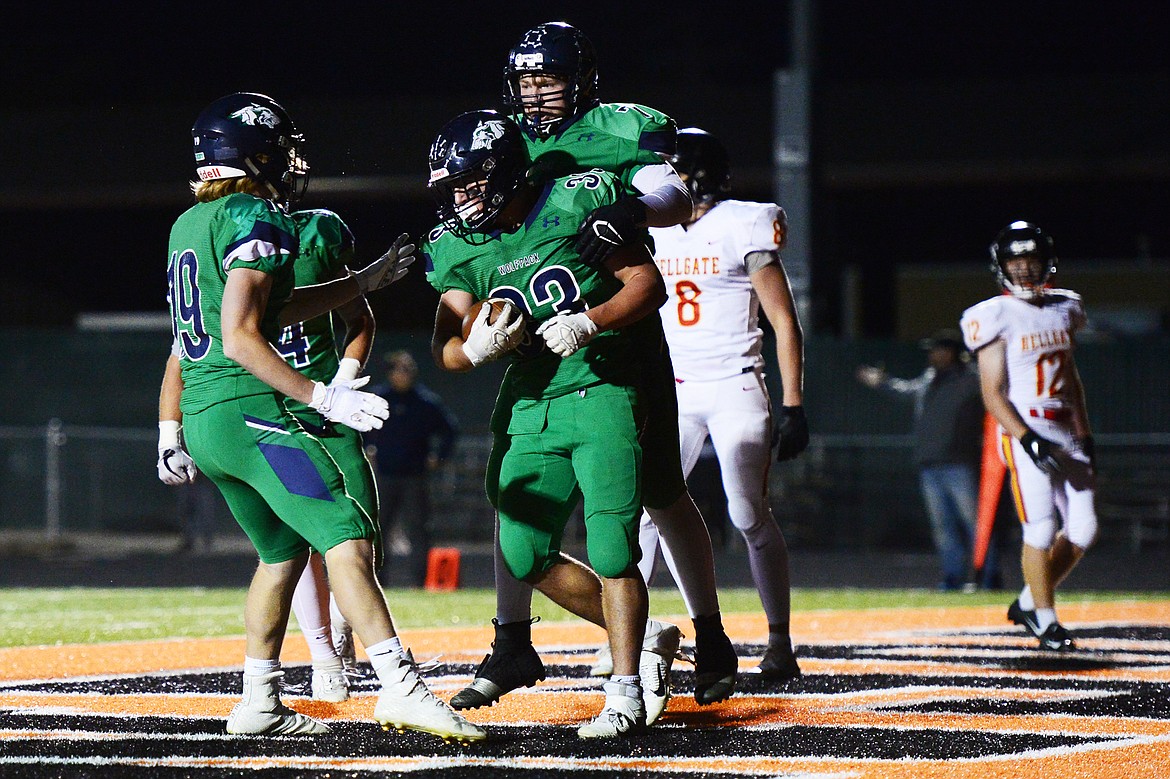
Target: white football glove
x,y
342,402
388,268
486,342
175,466
566,333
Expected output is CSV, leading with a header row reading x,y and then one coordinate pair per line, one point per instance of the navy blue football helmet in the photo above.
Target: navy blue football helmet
x,y
1023,239
701,159
249,134
556,49
482,156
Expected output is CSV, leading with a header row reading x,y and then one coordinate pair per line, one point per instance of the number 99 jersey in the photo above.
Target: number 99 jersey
x,y
711,316
1038,337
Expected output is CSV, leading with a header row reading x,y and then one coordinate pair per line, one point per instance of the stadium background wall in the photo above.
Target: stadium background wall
x,y
90,399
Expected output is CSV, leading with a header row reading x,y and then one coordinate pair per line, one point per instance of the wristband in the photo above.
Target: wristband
x,y
168,433
347,369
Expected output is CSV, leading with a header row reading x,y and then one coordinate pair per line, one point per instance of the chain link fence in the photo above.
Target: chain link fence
x,y
846,491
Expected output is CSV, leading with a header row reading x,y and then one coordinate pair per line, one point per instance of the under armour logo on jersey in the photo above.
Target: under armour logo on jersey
x,y
552,221
253,115
585,136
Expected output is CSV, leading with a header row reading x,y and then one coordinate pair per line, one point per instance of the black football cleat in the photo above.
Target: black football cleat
x,y
502,671
1057,639
777,666
716,666
1022,616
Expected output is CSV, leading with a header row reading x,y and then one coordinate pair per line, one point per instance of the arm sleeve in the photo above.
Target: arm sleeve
x,y
667,199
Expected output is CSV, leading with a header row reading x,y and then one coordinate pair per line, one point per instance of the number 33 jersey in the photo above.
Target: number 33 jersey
x,y
711,316
1039,343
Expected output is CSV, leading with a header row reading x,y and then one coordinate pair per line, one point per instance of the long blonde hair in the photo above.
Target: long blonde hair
x,y
206,191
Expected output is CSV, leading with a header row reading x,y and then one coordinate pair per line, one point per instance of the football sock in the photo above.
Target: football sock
x,y
1026,602
1045,617
711,623
648,541
513,597
686,548
320,643
328,664
768,560
633,682
254,667
385,652
512,634
779,637
310,604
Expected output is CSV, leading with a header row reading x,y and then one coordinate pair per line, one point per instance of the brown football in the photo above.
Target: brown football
x,y
473,312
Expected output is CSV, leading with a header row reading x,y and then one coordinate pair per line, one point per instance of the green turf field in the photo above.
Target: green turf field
x,y
34,617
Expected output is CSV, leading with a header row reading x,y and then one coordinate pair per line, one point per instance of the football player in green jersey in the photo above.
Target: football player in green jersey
x,y
231,290
569,399
551,90
325,251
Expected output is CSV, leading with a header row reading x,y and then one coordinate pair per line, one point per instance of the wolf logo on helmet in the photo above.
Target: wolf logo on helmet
x,y
255,115
486,133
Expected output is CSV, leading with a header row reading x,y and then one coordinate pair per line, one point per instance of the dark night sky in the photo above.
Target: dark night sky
x,y
104,63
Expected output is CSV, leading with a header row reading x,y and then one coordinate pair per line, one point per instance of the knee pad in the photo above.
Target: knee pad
x,y
612,550
1039,534
519,553
1082,533
749,517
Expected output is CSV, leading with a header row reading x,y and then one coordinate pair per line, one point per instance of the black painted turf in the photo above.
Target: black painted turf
x,y
202,739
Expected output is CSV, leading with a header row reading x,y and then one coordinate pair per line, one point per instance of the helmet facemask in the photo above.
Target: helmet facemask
x,y
531,108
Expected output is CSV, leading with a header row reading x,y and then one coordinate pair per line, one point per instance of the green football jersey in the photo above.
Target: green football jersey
x,y
537,267
208,240
616,137
326,248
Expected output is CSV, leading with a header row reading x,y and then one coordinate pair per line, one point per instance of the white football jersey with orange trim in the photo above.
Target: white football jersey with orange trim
x,y
1039,340
711,315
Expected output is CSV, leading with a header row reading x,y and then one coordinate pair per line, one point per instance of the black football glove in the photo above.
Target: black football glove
x,y
1042,451
791,433
607,228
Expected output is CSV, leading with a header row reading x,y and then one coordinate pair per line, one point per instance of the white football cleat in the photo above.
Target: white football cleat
x,y
659,649
623,715
261,712
330,683
603,665
407,704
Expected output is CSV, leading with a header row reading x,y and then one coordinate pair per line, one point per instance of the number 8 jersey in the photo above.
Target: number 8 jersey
x,y
1039,341
711,315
